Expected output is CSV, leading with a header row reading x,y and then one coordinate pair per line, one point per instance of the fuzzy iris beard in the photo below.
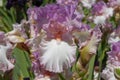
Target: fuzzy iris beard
x,y
57,55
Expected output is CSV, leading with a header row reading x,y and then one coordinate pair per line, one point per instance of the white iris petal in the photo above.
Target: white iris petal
x,y
57,54
4,62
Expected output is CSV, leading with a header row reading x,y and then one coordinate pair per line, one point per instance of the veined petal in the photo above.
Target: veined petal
x,y
57,54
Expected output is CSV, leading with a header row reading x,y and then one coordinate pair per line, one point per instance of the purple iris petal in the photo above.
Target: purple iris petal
x,y
98,7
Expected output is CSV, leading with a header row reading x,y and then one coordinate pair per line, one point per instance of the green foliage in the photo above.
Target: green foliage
x,y
91,68
117,73
22,65
7,18
61,76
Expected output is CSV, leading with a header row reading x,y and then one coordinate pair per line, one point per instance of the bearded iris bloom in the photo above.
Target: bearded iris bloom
x,y
101,12
56,52
57,49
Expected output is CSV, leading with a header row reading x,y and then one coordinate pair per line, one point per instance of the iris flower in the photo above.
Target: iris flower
x,y
102,12
57,49
57,53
